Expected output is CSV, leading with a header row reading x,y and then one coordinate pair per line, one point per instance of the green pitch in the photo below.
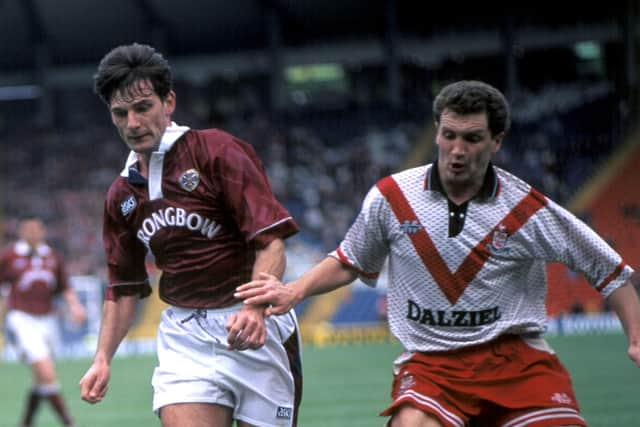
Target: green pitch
x,y
343,386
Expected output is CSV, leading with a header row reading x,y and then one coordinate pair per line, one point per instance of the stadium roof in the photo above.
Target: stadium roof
x,y
68,37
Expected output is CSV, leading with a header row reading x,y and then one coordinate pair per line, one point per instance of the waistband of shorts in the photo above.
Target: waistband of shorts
x,y
186,311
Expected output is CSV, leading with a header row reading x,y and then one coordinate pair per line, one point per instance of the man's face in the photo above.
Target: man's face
x,y
141,117
465,147
32,231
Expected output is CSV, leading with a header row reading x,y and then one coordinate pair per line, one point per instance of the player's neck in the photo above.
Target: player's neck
x,y
462,192
143,164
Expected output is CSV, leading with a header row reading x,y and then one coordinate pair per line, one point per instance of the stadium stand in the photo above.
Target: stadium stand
x,y
322,152
610,203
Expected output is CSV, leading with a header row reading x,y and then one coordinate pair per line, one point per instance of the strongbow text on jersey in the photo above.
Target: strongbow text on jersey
x,y
176,217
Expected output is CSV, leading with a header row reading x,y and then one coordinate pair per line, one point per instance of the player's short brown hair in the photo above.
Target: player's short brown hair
x,y
472,96
126,66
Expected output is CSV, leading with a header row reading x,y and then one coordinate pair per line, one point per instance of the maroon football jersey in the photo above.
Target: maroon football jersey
x,y
35,276
215,208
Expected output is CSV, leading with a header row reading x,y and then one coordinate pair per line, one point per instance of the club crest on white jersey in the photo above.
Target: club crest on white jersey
x,y
500,238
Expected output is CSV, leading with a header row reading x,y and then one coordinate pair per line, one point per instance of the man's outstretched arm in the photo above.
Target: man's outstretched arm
x,y
247,328
326,276
625,303
117,317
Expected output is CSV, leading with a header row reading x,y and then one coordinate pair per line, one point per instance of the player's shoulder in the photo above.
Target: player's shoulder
x,y
52,252
9,251
120,195
119,185
198,136
412,174
404,181
214,136
511,185
407,177
217,141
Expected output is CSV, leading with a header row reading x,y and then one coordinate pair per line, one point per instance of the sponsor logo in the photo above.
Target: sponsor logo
x,y
284,413
500,238
176,217
561,398
410,227
406,383
128,205
30,277
190,180
451,318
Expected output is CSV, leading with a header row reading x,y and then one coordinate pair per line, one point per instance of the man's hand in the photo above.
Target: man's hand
x,y
634,353
78,314
247,328
94,384
268,290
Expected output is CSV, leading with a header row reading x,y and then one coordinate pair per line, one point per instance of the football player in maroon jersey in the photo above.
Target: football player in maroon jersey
x,y
467,245
36,275
199,201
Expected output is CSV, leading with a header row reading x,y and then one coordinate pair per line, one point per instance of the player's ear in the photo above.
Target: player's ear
x,y
498,141
170,102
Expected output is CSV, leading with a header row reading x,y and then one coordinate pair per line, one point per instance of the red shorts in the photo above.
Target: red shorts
x,y
504,383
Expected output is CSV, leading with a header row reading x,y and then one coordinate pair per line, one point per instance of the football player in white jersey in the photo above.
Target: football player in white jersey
x,y
467,245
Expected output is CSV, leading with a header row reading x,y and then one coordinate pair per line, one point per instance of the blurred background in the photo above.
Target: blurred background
x,y
333,95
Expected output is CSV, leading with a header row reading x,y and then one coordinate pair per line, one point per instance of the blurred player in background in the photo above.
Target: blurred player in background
x,y
200,202
467,244
35,274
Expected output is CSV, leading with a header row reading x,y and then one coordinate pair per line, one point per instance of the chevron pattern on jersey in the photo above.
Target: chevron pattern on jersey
x,y
454,284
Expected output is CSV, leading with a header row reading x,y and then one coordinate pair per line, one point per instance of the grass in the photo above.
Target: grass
x,y
343,386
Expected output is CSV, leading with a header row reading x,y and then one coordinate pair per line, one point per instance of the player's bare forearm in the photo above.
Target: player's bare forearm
x,y
330,274
77,309
326,276
267,289
117,317
626,304
270,259
247,329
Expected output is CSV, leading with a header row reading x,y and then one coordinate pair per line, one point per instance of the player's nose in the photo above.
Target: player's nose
x,y
133,121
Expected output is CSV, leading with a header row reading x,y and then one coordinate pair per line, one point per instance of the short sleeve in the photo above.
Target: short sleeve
x,y
125,256
260,217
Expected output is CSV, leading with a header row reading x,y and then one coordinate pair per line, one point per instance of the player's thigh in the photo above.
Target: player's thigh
x,y
44,371
29,334
196,415
409,416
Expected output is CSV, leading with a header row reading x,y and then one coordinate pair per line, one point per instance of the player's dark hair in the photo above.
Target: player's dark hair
x,y
125,67
472,96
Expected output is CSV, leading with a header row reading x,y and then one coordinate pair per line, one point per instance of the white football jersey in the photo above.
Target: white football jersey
x,y
447,292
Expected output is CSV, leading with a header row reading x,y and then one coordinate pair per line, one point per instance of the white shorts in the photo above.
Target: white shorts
x,y
35,337
262,386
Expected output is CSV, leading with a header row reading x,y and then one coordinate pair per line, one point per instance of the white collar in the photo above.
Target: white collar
x,y
22,248
170,136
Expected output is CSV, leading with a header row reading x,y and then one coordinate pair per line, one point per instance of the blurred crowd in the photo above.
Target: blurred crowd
x,y
320,162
